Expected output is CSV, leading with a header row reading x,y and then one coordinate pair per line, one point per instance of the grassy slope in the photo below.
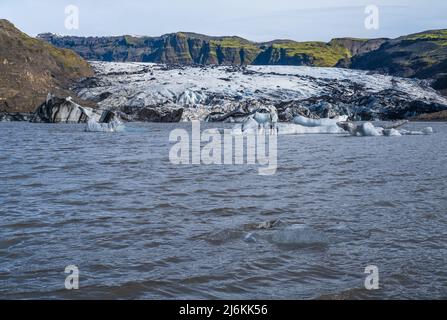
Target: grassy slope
x,y
435,35
323,54
31,68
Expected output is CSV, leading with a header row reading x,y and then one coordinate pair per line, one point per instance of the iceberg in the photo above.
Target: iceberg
x,y
392,133
256,125
295,129
94,126
250,238
299,236
262,118
367,129
426,132
307,122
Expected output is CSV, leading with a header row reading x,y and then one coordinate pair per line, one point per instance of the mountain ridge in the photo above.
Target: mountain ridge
x,y
420,55
195,48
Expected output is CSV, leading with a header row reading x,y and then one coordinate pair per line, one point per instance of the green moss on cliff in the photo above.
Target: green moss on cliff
x,y
132,41
69,61
235,43
429,35
323,54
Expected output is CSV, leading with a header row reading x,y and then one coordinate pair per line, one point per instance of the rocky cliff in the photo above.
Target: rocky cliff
x,y
422,55
177,48
190,48
30,68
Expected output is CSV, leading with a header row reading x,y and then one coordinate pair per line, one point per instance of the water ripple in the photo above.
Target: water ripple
x,y
141,228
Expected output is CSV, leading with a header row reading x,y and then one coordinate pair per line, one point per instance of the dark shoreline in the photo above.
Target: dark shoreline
x,y
6,117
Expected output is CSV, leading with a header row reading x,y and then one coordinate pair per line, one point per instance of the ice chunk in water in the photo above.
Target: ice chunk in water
x,y
391,133
94,126
368,130
250,238
286,128
307,122
299,236
426,132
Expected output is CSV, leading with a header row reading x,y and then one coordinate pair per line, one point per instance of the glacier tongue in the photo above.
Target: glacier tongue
x,y
221,93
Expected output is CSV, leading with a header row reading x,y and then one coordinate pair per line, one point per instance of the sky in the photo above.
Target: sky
x,y
257,20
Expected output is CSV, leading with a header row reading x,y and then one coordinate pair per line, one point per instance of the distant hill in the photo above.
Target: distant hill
x,y
192,48
30,68
422,55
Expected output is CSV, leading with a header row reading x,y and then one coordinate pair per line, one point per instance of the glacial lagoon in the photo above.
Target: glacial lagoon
x,y
139,227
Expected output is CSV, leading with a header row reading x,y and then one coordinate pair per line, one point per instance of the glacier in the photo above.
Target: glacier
x,y
153,92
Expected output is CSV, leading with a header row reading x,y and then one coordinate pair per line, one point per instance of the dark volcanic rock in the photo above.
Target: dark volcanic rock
x,y
108,116
164,114
441,83
236,112
385,105
15,116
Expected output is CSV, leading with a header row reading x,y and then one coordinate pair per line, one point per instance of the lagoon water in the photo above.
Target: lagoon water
x,y
138,227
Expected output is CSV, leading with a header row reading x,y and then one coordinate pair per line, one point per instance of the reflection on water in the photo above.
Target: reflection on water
x,y
139,227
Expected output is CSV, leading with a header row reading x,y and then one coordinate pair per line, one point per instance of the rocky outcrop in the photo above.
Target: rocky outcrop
x,y
279,56
30,68
359,46
59,110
